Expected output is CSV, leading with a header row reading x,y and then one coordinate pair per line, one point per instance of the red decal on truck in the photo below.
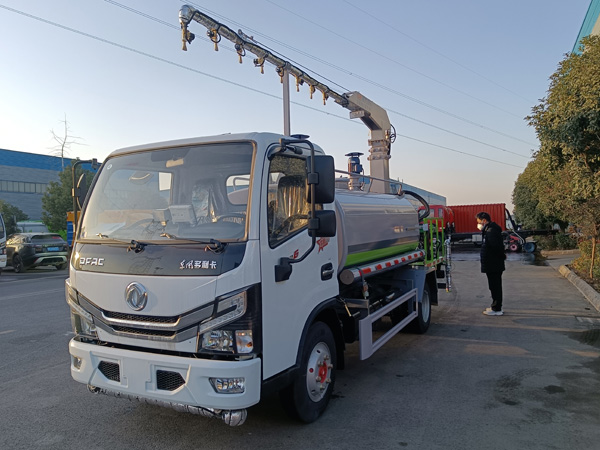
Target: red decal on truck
x,y
322,243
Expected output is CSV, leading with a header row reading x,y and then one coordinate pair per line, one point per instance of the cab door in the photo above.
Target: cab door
x,y
287,304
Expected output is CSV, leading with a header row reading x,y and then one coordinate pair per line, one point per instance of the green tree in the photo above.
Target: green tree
x,y
526,198
11,215
567,123
57,199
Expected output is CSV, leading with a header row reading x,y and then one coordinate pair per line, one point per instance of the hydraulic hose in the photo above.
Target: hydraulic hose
x,y
426,211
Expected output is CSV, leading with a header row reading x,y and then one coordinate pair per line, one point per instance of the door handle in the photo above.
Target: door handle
x,y
327,271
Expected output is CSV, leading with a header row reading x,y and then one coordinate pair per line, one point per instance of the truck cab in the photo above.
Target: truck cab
x,y
176,254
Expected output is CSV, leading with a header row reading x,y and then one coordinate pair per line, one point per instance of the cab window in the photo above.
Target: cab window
x,y
287,211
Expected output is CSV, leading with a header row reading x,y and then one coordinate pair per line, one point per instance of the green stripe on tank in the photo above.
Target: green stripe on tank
x,y
355,259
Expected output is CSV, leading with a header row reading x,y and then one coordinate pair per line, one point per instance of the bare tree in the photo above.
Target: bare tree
x,y
64,141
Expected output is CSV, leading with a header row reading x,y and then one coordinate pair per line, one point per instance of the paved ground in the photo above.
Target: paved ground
x,y
560,260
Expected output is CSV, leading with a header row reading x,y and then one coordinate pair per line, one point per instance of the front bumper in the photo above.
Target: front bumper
x,y
137,374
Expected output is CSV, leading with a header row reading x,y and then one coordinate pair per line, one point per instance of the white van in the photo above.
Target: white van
x,y
2,244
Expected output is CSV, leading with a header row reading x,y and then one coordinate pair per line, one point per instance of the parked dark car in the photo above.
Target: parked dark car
x,y
28,250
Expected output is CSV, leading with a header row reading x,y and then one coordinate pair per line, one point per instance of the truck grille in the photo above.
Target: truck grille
x,y
141,332
137,318
168,381
110,370
157,328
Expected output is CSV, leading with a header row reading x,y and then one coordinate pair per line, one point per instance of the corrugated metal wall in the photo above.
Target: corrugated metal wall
x,y
464,216
29,168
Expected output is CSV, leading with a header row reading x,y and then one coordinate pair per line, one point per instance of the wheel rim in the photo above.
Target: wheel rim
x,y
425,307
318,372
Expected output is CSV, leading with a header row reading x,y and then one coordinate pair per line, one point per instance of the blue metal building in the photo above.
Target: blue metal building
x,y
24,178
590,25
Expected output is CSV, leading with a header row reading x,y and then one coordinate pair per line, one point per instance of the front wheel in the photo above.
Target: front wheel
x,y
308,395
17,264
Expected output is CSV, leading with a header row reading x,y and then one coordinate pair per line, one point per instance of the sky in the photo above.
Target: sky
x,y
458,79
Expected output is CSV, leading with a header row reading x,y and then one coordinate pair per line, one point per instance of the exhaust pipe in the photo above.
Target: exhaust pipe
x,y
233,418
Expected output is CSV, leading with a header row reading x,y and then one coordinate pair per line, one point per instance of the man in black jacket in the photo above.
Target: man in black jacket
x,y
492,260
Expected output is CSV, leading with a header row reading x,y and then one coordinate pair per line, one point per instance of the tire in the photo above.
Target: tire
x,y
17,264
308,395
62,266
421,324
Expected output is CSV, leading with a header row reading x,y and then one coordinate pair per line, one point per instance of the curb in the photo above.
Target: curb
x,y
588,292
547,253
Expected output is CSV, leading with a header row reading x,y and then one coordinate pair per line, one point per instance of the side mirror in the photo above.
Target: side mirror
x,y
323,225
323,178
81,190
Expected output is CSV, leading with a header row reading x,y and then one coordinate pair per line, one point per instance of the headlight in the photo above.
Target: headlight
x,y
223,341
81,321
213,336
219,340
82,326
228,310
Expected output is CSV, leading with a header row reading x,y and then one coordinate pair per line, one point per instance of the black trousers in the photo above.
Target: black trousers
x,y
495,285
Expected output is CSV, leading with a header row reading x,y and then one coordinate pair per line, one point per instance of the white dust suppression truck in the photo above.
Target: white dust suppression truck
x,y
209,272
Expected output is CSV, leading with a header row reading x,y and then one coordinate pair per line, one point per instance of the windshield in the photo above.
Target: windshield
x,y
196,192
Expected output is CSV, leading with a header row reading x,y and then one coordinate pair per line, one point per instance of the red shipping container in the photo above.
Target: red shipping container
x,y
464,216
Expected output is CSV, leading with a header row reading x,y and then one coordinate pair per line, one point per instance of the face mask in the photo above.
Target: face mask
x,y
480,226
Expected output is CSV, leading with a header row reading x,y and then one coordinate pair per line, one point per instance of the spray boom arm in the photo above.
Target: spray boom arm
x,y
371,114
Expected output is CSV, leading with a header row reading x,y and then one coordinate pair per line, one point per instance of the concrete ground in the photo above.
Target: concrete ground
x,y
530,378
560,260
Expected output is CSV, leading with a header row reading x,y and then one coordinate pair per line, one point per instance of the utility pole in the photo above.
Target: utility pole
x,y
286,103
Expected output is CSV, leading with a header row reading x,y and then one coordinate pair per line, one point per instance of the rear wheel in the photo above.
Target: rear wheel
x,y
17,264
308,395
61,266
421,324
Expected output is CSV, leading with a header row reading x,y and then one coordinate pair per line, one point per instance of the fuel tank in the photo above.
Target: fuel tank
x,y
372,226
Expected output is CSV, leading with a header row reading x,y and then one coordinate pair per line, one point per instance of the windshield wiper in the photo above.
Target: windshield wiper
x,y
213,245
133,245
